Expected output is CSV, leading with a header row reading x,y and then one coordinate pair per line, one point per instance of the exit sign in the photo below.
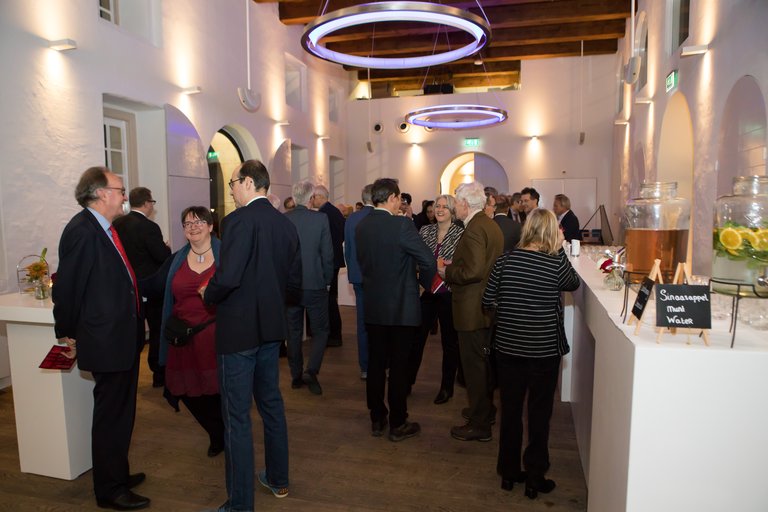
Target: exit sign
x,y
213,155
471,142
672,80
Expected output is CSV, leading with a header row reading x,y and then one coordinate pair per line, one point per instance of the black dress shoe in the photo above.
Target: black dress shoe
x,y
404,431
135,479
215,448
297,383
126,501
535,486
508,483
442,397
377,427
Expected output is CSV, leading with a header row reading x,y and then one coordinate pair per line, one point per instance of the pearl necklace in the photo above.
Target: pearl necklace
x,y
200,255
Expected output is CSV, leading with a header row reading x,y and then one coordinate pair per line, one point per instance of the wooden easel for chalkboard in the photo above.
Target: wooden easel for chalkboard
x,y
654,275
682,276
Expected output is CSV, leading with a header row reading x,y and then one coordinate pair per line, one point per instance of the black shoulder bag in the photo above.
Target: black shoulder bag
x,y
178,333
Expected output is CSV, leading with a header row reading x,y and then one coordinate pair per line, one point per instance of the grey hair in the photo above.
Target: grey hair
x,y
367,194
450,202
322,191
302,191
473,193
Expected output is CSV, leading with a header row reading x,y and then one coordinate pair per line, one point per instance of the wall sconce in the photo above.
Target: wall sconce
x,y
282,123
195,89
323,137
645,100
534,137
62,45
621,122
698,49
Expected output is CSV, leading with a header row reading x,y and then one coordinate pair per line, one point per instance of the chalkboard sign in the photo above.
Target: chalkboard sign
x,y
683,305
642,297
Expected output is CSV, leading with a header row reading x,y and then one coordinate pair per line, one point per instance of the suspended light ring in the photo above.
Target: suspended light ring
x,y
422,12
456,116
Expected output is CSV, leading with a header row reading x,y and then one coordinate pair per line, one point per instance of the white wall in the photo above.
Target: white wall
x,y
736,33
51,102
547,105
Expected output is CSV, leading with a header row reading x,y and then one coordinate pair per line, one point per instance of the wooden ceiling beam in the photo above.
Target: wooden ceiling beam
x,y
460,68
384,45
503,14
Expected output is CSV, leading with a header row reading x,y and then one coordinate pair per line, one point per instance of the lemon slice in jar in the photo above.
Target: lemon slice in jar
x,y
762,237
731,239
751,237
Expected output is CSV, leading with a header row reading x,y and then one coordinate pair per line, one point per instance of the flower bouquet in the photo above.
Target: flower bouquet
x,y
33,276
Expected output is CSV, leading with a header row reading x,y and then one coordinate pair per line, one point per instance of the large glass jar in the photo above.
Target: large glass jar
x,y
740,240
657,225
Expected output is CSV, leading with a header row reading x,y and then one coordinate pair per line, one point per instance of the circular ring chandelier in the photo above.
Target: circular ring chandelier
x,y
456,116
423,12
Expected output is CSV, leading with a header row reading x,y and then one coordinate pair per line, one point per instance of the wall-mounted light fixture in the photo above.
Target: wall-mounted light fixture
x,y
645,100
534,137
195,89
282,123
621,122
62,45
699,49
323,137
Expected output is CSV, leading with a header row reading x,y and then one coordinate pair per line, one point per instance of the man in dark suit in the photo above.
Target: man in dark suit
x,y
509,228
143,242
476,252
97,312
259,270
336,220
356,277
317,272
569,223
516,212
529,199
388,249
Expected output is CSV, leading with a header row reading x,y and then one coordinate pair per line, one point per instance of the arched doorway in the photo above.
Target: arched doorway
x,y
741,150
229,147
468,167
675,163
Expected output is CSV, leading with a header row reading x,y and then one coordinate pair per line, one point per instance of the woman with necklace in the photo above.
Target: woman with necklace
x,y
441,238
190,370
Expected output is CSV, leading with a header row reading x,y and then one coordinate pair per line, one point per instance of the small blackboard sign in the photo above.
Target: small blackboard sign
x,y
683,305
642,297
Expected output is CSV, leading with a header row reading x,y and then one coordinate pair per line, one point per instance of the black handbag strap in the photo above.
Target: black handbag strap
x,y
194,329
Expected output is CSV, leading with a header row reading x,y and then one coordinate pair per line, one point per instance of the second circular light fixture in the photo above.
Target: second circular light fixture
x,y
456,116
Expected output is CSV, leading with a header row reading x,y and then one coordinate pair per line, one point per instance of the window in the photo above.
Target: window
x,y
681,10
108,11
299,163
295,83
336,174
116,148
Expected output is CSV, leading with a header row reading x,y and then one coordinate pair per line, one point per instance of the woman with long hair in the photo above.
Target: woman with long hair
x,y
524,288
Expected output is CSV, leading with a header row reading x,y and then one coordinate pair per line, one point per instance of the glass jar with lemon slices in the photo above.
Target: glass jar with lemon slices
x,y
740,239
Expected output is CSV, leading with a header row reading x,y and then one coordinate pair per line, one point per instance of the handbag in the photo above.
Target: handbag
x,y
179,333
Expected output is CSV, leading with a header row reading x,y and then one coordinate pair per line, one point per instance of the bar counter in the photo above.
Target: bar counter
x,y
666,426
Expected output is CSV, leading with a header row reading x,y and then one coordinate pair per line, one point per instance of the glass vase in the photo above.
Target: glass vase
x,y
614,281
41,289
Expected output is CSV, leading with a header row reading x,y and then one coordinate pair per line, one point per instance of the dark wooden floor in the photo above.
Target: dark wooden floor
x,y
335,464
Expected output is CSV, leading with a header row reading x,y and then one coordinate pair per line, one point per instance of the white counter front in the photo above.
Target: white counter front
x,y
667,426
53,408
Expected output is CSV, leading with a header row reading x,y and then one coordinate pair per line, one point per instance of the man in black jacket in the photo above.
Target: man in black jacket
x,y
569,223
388,250
97,312
143,242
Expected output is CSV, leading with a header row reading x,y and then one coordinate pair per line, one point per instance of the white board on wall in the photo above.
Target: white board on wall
x,y
581,191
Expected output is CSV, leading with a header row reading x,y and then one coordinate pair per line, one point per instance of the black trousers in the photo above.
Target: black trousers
x,y
334,316
518,377
207,411
114,412
388,344
436,306
154,314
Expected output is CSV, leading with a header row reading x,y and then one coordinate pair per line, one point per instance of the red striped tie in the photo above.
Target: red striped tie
x,y
121,250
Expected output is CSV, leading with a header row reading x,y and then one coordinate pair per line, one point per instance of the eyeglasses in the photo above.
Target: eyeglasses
x,y
121,189
196,223
232,182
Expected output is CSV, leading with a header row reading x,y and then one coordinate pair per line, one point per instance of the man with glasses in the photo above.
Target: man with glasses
x,y
97,313
146,249
259,271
